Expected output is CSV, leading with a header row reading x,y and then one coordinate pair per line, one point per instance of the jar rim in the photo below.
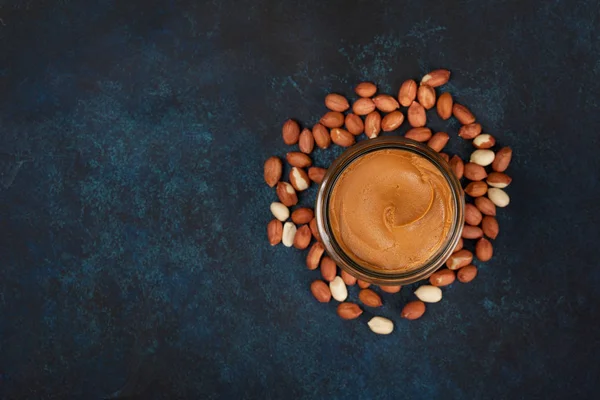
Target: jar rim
x,y
347,263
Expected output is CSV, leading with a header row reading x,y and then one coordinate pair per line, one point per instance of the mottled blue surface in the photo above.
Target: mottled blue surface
x,y
133,257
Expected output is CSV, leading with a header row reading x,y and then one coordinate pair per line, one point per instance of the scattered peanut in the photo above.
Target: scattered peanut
x,y
343,124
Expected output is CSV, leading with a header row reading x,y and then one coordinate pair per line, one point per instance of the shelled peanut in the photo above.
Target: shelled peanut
x,y
483,177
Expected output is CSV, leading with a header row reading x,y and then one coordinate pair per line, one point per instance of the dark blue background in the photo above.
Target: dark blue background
x,y
132,238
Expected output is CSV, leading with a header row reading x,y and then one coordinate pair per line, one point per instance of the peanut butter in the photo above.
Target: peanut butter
x,y
391,210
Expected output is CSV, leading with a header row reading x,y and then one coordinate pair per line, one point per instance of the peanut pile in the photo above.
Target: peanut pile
x,y
484,180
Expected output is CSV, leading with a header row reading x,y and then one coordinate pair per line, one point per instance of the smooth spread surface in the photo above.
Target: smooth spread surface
x,y
391,210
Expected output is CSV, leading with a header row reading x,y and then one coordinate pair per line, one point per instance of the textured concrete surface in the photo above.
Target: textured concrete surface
x,y
133,257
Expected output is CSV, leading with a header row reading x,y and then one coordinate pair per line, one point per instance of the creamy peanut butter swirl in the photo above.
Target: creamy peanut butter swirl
x,y
391,210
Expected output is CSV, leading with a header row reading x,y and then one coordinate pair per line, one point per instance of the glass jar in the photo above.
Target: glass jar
x,y
383,277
